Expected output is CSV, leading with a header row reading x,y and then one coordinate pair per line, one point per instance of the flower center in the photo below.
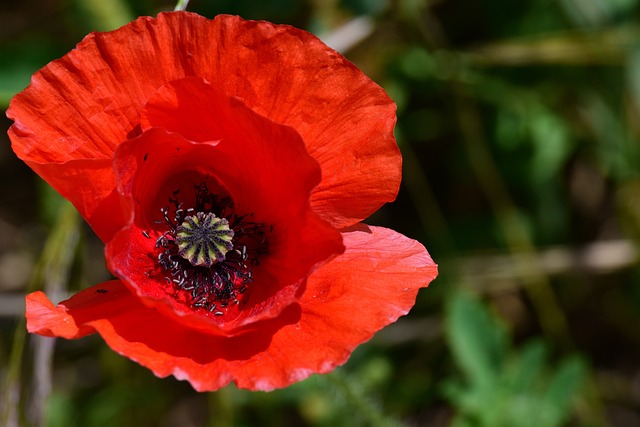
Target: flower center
x,y
207,252
204,239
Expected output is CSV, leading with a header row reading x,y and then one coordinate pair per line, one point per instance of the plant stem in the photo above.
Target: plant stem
x,y
182,5
51,273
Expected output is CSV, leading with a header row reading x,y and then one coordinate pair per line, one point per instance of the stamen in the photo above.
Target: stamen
x,y
208,251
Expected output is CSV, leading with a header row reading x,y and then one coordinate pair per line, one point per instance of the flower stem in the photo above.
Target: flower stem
x,y
106,15
182,5
221,408
51,273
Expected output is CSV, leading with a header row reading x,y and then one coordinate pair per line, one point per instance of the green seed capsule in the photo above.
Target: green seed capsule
x,y
204,239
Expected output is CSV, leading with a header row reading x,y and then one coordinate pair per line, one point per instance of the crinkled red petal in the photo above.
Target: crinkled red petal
x,y
347,300
268,174
157,342
82,106
72,318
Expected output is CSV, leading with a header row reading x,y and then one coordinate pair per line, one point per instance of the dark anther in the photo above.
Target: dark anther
x,y
208,251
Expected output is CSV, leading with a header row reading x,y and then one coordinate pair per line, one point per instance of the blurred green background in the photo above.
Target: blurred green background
x,y
519,125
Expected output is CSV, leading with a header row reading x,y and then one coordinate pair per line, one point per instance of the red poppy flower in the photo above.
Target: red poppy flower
x,y
226,164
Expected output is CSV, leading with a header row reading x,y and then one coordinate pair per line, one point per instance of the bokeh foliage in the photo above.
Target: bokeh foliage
x,y
519,126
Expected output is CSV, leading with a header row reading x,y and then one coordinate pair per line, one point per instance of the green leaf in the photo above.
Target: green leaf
x,y
563,387
478,340
527,367
551,141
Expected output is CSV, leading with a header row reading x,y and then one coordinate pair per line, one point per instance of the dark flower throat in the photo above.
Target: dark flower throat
x,y
208,251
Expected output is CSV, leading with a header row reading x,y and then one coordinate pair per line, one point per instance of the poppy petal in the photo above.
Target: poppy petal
x,y
71,318
140,333
98,90
345,119
374,282
270,180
